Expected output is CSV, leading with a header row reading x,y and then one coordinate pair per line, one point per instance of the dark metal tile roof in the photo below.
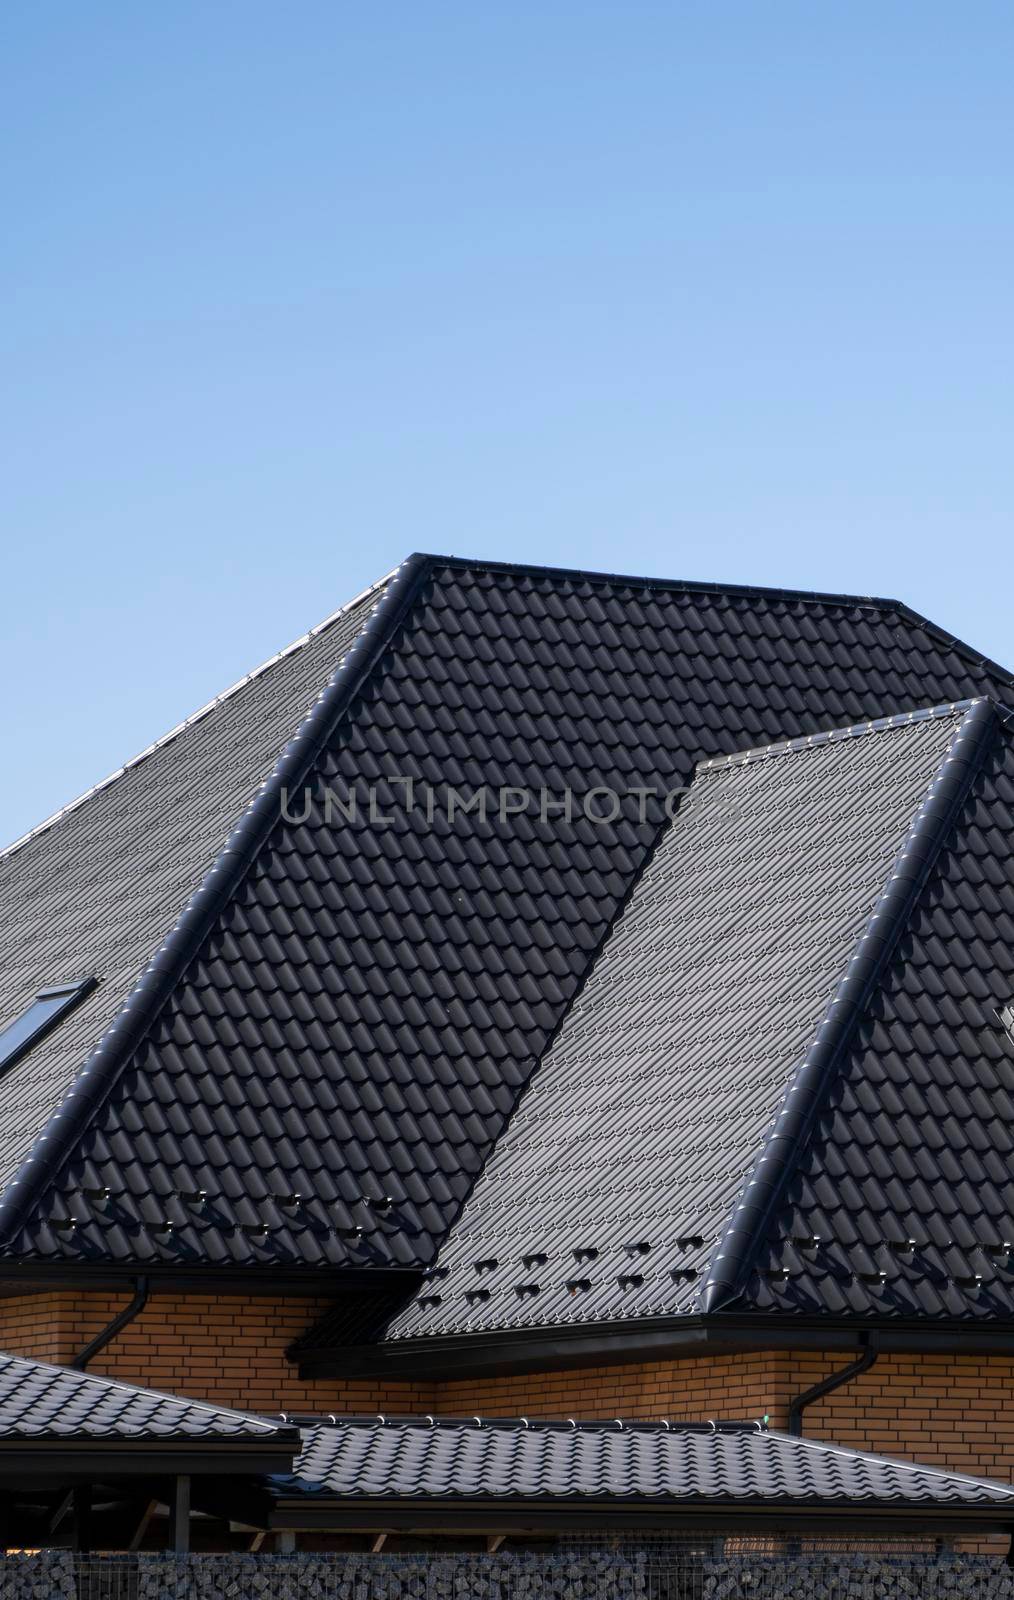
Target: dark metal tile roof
x,y
39,1402
357,1020
903,1201
609,1193
97,888
458,1460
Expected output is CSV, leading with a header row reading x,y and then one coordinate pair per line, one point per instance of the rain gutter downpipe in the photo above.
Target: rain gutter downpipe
x,y
119,1322
837,1380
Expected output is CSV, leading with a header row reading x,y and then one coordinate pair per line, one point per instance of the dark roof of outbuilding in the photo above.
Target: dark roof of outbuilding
x,y
335,1033
40,1402
366,1459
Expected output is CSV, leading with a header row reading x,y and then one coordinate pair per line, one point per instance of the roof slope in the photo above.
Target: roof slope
x,y
610,1192
366,1459
348,1033
96,888
40,1402
903,1200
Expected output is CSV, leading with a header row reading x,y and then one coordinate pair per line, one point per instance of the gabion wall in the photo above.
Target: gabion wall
x,y
828,1576
855,1577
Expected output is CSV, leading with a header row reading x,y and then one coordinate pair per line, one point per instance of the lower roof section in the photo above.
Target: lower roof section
x,y
52,1416
453,1464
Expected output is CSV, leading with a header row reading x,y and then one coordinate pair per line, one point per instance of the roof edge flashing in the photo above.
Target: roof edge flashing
x,y
792,1122
159,977
193,717
841,735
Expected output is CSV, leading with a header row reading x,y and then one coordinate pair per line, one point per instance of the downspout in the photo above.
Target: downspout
x,y
837,1380
129,1312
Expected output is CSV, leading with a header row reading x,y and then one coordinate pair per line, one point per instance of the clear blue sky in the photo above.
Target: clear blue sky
x,y
706,290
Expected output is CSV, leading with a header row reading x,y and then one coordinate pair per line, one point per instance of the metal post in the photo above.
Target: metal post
x,y
179,1515
83,1518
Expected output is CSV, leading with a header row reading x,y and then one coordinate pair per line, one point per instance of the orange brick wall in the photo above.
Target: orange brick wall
x,y
951,1411
32,1326
693,1390
226,1348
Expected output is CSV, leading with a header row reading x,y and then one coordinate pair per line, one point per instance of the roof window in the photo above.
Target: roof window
x,y
46,1010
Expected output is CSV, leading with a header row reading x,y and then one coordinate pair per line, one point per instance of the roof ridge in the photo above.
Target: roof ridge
x,y
682,585
745,591
689,585
839,735
158,978
793,1119
616,1425
194,716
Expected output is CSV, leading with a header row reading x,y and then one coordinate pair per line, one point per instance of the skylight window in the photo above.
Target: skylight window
x,y
46,1010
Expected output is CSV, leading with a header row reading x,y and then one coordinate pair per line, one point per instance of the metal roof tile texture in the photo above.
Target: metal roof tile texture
x,y
329,1077
38,1401
415,1460
607,1195
97,889
903,1201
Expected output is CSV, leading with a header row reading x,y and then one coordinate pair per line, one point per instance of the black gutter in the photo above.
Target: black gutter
x,y
773,1167
108,1333
27,1459
612,1344
351,1513
837,1380
159,978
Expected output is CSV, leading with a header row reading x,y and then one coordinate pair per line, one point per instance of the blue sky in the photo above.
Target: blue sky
x,y
704,290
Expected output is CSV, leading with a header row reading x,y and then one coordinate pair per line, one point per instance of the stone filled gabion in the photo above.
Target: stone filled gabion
x,y
47,1576
853,1576
355,1577
604,1576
